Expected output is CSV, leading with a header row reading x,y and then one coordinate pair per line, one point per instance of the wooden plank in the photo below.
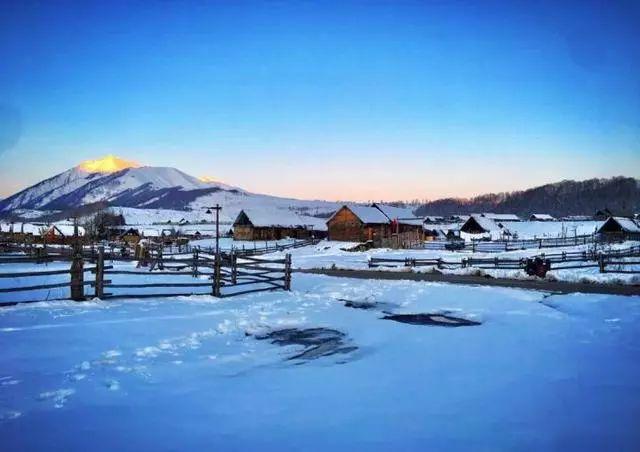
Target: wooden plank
x,y
40,287
154,273
255,259
153,295
27,274
148,285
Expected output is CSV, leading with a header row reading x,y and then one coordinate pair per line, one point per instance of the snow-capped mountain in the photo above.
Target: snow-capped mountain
x,y
121,183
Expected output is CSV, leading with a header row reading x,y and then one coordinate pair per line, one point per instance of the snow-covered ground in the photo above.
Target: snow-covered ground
x,y
540,373
552,229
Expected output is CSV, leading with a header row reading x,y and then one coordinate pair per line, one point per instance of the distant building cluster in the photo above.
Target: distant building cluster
x,y
380,224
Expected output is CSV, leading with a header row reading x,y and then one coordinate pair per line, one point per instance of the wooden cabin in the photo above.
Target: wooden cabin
x,y
358,224
61,234
131,236
272,224
619,228
478,224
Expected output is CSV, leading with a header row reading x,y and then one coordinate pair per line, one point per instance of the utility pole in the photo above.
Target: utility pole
x,y
217,209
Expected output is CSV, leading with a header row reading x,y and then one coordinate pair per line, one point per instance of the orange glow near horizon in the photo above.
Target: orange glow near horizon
x,y
107,164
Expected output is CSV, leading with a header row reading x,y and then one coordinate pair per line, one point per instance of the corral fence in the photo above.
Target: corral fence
x,y
123,250
220,275
612,261
499,246
255,249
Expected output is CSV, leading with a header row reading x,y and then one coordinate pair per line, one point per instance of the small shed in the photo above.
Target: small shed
x,y
541,217
478,224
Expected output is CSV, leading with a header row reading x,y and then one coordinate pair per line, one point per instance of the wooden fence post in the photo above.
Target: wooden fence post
x,y
195,262
77,278
216,275
159,261
601,263
99,283
287,272
234,268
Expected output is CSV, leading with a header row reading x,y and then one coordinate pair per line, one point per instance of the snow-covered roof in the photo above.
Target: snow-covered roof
x,y
395,213
264,218
25,228
578,218
500,216
411,221
367,214
150,232
627,224
541,216
66,230
485,223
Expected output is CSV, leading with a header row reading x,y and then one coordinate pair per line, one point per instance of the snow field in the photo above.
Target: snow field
x,y
541,372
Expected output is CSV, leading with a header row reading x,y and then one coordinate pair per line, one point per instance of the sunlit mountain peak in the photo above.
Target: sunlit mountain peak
x,y
208,179
107,164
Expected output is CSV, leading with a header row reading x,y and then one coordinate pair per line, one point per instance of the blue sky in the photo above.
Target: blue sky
x,y
335,100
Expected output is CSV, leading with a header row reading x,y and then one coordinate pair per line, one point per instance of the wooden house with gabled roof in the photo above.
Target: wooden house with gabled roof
x,y
271,224
356,223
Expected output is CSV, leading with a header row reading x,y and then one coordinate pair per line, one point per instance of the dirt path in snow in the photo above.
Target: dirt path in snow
x,y
546,286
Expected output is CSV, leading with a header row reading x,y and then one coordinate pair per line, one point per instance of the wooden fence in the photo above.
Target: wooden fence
x,y
255,249
221,275
609,262
499,246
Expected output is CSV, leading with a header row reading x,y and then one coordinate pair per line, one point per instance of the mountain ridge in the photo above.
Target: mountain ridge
x,y
115,182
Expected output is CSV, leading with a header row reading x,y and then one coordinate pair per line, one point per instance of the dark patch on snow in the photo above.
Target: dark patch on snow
x,y
445,320
318,342
365,304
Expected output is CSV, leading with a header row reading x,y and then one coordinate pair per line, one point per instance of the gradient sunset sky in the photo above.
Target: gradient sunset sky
x,y
334,100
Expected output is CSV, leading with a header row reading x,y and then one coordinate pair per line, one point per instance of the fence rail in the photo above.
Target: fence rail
x,y
558,261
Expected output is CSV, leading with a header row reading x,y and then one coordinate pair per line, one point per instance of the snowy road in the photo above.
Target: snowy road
x,y
540,372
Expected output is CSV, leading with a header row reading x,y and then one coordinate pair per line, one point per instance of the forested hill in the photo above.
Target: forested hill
x,y
621,195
